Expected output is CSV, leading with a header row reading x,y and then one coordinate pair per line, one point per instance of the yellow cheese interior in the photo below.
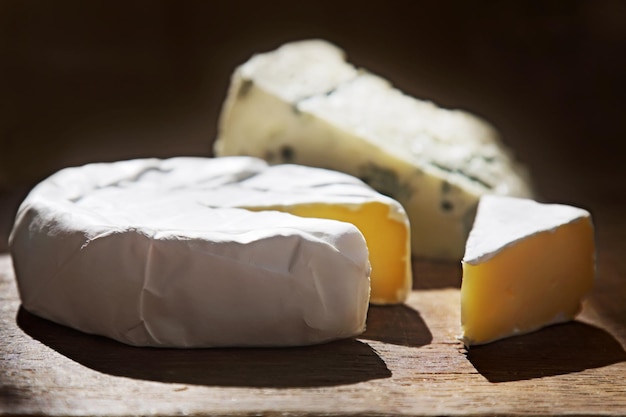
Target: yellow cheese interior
x,y
387,240
530,284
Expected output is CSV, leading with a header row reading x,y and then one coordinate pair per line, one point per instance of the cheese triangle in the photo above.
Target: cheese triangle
x,y
527,265
304,103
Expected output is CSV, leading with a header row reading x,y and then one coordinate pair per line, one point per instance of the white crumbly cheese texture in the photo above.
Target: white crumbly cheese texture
x,y
303,103
503,221
155,253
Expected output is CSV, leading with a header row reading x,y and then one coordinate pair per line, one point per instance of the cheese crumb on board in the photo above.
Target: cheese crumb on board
x,y
303,103
164,253
527,265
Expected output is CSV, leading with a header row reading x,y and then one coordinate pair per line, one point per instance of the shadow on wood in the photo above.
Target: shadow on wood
x,y
397,325
555,350
9,396
337,363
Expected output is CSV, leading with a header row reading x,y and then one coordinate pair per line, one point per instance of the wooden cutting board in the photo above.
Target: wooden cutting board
x,y
408,362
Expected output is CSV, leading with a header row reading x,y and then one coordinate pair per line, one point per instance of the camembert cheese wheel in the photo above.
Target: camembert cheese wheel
x,y
527,265
163,253
303,103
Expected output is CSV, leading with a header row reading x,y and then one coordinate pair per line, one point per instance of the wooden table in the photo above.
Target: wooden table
x,y
408,362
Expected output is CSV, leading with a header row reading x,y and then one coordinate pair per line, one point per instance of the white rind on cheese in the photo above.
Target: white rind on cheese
x,y
331,194
138,251
291,185
304,103
504,221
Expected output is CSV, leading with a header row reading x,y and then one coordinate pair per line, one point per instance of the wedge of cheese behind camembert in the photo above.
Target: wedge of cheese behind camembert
x,y
527,265
164,253
303,103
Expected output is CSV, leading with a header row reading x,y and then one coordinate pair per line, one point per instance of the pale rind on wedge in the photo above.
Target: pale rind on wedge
x,y
141,252
304,103
504,221
528,265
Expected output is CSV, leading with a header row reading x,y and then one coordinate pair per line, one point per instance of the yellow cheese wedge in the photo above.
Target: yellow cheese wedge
x,y
527,265
387,239
336,196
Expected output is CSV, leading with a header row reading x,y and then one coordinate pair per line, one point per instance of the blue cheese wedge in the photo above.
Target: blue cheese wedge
x,y
303,103
201,252
527,265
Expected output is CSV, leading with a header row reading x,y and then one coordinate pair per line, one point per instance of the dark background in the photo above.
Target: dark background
x,y
100,81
